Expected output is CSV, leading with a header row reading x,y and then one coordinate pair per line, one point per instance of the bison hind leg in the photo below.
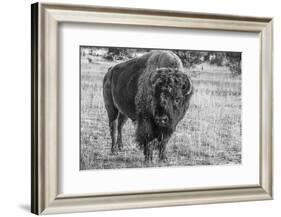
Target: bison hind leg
x,y
112,113
112,127
121,120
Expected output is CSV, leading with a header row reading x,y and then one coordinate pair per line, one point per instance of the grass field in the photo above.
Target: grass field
x,y
209,134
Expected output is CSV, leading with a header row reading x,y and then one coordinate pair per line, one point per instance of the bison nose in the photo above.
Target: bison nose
x,y
163,119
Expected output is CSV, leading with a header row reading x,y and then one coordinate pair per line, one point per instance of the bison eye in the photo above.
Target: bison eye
x,y
177,100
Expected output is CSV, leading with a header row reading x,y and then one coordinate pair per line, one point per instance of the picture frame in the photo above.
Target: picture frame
x,y
45,129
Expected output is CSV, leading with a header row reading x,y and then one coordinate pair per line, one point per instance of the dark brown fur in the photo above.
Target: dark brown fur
x,y
151,90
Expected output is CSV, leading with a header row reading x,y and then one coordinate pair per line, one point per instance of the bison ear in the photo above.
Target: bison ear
x,y
187,87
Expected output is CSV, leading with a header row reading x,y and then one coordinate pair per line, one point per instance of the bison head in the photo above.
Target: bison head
x,y
171,92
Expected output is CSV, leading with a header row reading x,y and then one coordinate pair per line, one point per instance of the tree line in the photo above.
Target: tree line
x,y
189,58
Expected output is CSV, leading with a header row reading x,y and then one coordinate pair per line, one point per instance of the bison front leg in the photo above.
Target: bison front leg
x,y
148,152
144,136
162,149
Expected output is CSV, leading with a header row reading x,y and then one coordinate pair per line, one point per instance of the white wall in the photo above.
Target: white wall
x,y
15,106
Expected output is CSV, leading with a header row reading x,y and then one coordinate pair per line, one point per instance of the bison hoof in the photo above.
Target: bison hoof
x,y
120,146
163,160
148,163
163,157
113,150
140,146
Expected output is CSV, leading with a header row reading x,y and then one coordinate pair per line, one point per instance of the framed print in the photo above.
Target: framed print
x,y
148,108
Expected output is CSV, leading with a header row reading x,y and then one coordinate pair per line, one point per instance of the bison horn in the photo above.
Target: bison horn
x,y
190,87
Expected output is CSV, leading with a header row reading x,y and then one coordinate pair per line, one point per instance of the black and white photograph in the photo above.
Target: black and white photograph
x,y
135,107
142,107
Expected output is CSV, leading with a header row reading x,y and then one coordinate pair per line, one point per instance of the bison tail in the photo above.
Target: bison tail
x,y
107,74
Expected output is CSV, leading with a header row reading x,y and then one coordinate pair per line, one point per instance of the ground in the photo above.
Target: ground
x,y
209,134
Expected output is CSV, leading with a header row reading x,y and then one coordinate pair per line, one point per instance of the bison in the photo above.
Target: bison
x,y
154,93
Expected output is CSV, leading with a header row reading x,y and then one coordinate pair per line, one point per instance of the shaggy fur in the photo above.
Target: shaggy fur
x,y
151,90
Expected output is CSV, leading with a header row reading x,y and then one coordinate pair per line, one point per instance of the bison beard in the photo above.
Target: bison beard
x,y
151,90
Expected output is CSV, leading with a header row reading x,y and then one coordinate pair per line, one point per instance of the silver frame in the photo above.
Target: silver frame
x,y
45,108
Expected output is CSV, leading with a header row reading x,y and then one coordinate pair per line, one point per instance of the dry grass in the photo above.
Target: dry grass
x,y
209,134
